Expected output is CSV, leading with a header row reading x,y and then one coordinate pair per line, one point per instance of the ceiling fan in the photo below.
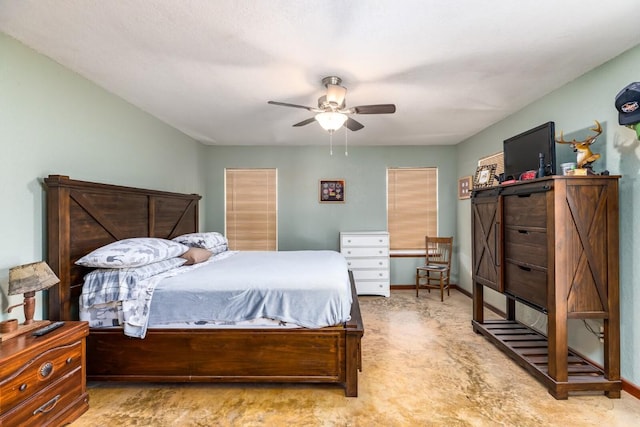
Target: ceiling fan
x,y
332,112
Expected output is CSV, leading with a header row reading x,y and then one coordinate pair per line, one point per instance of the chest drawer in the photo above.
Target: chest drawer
x,y
349,240
359,275
44,407
368,263
527,209
365,252
38,373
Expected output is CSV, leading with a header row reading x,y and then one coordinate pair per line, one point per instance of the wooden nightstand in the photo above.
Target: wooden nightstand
x,y
42,379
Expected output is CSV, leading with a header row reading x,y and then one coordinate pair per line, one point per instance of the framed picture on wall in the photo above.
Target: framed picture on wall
x,y
465,185
332,191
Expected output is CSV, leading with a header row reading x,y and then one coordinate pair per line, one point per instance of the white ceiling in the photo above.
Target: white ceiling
x,y
208,67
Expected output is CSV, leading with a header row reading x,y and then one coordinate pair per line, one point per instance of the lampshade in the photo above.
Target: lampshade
x,y
331,121
31,277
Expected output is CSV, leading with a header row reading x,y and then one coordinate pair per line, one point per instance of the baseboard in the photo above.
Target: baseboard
x,y
627,386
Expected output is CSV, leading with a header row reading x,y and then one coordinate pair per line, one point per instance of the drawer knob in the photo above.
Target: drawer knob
x,y
47,407
69,360
349,252
379,262
46,369
22,387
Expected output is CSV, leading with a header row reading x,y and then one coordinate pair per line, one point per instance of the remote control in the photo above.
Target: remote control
x,y
45,330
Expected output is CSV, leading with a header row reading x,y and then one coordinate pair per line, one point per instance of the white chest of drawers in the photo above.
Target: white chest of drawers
x,y
367,254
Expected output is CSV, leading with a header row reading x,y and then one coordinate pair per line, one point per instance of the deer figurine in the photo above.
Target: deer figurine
x,y
585,156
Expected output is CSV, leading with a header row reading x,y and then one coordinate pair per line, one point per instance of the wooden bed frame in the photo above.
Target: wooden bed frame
x,y
82,216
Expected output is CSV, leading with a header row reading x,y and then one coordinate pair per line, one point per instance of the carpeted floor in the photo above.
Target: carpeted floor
x,y
422,366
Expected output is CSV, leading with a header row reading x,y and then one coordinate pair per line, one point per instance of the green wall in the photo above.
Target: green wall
x,y
303,222
52,121
573,108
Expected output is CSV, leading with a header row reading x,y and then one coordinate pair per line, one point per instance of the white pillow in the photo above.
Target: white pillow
x,y
134,252
212,241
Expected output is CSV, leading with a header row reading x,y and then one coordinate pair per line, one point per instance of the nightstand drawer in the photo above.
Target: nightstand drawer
x,y
38,373
361,263
43,408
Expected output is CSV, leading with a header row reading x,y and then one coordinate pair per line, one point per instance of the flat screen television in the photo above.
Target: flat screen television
x,y
522,152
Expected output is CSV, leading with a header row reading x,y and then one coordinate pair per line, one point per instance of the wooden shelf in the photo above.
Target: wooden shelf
x,y
529,349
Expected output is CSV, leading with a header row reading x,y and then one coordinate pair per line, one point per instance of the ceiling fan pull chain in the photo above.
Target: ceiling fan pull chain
x,y
331,143
346,142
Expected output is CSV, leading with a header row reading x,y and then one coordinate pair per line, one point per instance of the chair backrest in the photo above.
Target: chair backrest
x,y
439,250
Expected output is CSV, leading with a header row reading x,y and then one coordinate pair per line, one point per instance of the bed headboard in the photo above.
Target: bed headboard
x,y
82,216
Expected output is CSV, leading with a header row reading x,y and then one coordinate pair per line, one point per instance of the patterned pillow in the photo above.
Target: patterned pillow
x,y
134,252
213,241
106,285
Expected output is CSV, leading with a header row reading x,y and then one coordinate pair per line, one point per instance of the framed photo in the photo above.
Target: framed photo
x,y
484,176
464,187
332,191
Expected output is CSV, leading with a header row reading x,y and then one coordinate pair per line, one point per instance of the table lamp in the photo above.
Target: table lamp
x,y
28,279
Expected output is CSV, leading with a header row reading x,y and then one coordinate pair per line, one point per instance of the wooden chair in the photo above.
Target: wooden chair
x,y
437,269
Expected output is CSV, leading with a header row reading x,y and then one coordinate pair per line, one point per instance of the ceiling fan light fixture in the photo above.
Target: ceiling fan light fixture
x,y
331,121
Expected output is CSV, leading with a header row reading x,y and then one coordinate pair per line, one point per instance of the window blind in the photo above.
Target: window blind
x,y
251,209
412,206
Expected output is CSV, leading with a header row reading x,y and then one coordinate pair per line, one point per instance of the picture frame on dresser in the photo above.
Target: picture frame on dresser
x,y
484,176
332,191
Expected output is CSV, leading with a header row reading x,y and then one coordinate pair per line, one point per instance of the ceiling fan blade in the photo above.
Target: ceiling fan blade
x,y
374,109
353,125
285,104
305,122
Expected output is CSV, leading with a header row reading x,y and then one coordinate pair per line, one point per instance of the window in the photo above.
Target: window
x,y
412,206
251,209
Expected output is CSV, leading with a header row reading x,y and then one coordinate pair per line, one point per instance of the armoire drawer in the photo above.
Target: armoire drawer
x,y
526,283
525,210
526,246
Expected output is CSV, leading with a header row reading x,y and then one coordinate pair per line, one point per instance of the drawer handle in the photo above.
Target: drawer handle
x,y
349,263
380,274
521,267
379,262
349,252
46,369
22,387
523,231
47,407
69,360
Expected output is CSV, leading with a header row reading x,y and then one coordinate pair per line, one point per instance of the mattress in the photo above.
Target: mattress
x,y
307,288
